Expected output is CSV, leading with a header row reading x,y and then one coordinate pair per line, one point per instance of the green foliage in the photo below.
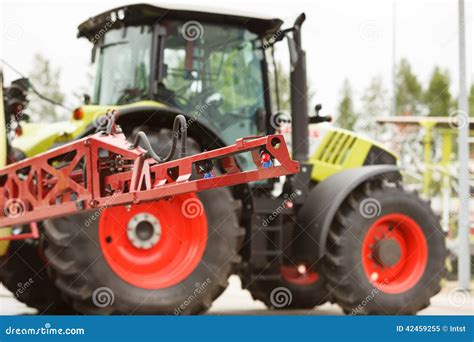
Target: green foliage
x,y
438,97
374,103
45,79
409,92
283,88
347,116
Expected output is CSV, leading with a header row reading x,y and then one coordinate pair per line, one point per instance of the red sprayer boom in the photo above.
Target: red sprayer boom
x,y
105,170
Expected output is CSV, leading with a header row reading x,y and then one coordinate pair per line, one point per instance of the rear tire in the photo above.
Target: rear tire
x,y
23,272
361,278
304,291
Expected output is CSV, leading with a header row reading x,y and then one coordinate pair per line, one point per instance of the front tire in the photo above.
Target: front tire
x,y
23,271
106,274
307,289
385,252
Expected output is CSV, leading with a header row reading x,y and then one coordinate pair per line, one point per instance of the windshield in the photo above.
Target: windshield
x,y
123,73
214,74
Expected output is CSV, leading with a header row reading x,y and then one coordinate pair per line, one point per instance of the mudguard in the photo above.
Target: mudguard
x,y
322,204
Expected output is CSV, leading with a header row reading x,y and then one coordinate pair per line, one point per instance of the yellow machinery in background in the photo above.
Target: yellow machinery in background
x,y
3,154
3,134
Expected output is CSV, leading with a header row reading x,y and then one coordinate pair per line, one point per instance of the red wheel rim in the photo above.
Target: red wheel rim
x,y
172,258
402,267
299,274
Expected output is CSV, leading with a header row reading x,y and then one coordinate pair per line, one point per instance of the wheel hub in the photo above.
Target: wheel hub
x,y
387,252
154,245
144,230
394,253
301,274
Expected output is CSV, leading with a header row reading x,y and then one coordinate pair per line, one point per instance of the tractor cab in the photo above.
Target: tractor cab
x,y
210,66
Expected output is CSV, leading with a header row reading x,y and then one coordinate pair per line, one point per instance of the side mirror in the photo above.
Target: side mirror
x,y
318,118
317,108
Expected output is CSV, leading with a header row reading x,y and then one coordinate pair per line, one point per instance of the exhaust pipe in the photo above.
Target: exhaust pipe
x,y
299,94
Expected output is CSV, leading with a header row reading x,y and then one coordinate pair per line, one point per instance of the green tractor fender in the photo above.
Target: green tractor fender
x,y
323,203
152,115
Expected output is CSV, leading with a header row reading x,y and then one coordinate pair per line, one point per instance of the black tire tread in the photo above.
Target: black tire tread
x,y
338,282
68,266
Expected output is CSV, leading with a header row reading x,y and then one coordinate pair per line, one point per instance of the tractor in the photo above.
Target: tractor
x,y
343,229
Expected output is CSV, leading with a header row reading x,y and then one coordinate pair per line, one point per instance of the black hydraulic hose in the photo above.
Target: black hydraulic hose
x,y
179,130
141,137
182,130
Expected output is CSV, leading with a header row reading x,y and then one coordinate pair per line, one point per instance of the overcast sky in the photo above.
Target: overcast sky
x,y
343,38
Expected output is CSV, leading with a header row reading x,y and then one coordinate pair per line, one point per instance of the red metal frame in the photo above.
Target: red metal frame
x,y
103,170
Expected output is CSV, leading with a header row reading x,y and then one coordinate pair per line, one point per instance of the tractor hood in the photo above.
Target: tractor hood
x,y
142,14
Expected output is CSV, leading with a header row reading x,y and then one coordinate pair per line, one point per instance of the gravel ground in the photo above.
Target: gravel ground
x,y
235,301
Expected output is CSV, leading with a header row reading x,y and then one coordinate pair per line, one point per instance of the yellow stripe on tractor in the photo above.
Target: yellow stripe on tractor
x,y
338,151
3,162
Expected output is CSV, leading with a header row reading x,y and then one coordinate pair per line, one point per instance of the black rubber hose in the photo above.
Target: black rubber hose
x,y
141,137
179,130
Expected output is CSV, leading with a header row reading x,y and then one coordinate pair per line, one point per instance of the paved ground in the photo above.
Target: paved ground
x,y
236,301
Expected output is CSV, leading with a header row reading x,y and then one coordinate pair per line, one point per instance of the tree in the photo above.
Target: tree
x,y
45,79
283,88
347,116
471,101
437,97
374,103
408,90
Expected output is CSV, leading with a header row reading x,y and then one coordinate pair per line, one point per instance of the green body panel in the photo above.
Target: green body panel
x,y
39,137
3,160
340,149
3,131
